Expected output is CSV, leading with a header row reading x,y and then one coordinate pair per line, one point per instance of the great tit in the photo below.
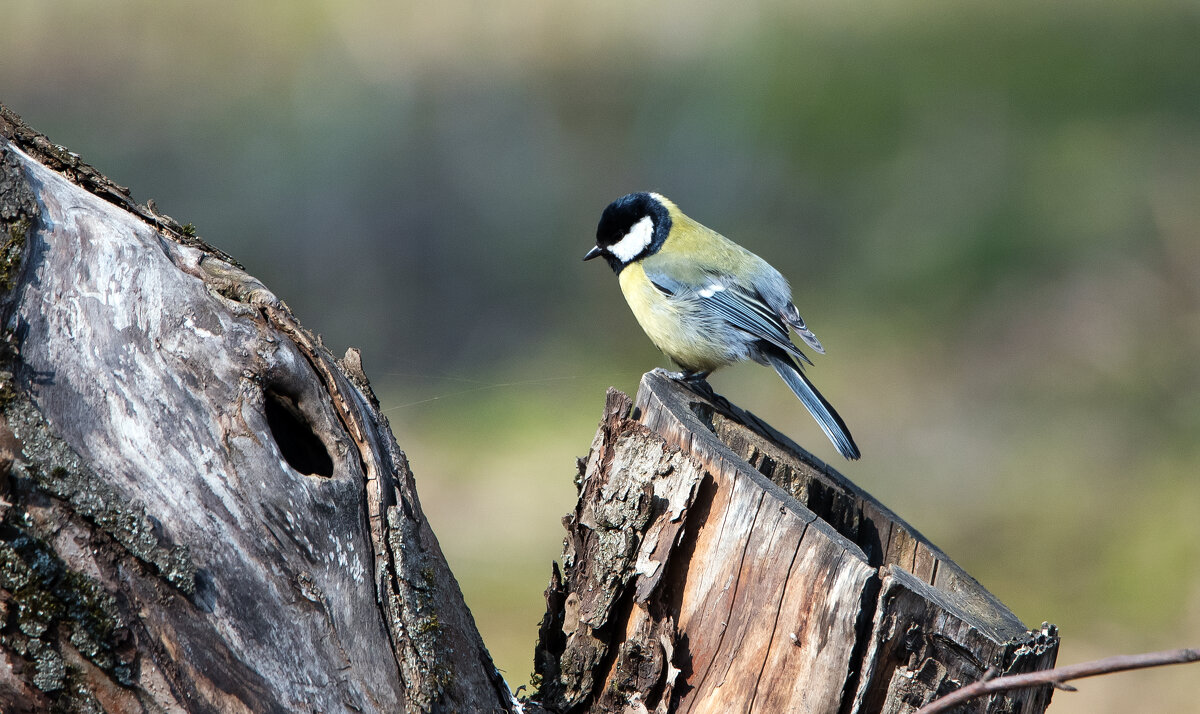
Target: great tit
x,y
707,302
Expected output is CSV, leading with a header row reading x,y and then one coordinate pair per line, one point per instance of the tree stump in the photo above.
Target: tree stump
x,y
712,565
203,510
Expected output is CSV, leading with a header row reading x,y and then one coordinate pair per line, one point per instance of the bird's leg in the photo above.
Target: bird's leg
x,y
697,381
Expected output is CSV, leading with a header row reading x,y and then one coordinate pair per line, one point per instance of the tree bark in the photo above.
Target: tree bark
x,y
714,566
203,510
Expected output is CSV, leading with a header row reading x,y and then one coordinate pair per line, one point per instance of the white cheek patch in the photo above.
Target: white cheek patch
x,y
635,241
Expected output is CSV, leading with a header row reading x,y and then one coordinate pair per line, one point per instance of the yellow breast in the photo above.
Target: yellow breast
x,y
691,338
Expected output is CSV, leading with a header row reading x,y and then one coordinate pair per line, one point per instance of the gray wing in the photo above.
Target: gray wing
x,y
744,309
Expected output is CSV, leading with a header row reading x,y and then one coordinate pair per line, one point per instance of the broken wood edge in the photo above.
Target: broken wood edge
x,y
435,641
678,417
918,648
671,409
692,422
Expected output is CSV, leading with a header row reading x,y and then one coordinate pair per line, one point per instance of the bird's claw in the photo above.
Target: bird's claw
x,y
694,379
664,372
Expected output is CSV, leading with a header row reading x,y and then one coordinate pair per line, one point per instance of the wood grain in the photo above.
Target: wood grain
x,y
785,587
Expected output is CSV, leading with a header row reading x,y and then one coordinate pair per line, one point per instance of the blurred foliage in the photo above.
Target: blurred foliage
x,y
988,211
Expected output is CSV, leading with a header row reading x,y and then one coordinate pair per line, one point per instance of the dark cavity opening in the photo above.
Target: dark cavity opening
x,y
297,441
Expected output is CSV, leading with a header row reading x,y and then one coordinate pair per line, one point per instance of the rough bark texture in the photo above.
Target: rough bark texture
x,y
714,566
203,510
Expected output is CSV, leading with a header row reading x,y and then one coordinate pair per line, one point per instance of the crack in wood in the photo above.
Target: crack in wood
x,y
775,623
737,576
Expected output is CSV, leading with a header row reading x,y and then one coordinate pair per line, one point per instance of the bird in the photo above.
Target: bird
x,y
706,302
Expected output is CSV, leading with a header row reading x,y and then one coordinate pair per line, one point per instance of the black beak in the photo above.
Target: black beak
x,y
595,252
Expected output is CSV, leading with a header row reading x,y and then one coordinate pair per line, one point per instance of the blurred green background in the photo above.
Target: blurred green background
x,y
990,214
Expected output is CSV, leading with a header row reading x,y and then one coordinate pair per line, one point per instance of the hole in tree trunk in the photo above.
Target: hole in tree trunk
x,y
299,444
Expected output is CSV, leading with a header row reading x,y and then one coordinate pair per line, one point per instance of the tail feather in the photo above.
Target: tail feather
x,y
822,411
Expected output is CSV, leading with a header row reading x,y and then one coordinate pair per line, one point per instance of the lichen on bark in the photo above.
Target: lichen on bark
x,y
58,471
47,600
18,210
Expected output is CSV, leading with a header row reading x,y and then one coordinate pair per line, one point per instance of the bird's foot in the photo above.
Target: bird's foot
x,y
691,378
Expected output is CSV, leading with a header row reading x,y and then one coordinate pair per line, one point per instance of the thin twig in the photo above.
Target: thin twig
x,y
1055,677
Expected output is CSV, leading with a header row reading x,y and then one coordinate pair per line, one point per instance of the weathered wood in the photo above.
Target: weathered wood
x,y
203,510
714,566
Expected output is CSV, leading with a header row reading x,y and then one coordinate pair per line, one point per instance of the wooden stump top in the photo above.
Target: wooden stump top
x,y
715,566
